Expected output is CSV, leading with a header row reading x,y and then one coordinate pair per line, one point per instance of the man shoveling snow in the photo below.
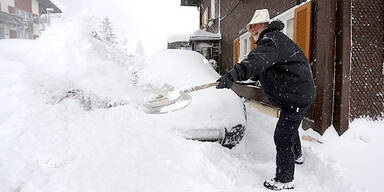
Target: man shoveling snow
x,y
286,78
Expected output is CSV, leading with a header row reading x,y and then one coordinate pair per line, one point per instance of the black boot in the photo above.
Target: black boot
x,y
276,185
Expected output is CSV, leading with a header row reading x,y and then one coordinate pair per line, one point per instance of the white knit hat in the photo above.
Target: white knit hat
x,y
260,16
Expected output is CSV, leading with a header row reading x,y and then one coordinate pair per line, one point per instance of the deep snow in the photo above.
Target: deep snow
x,y
45,146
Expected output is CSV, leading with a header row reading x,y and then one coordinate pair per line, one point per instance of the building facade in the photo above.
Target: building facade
x,y
19,19
342,39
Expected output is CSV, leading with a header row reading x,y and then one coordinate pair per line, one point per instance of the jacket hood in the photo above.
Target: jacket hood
x,y
273,26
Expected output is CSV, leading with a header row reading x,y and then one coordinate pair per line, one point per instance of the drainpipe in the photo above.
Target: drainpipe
x,y
219,18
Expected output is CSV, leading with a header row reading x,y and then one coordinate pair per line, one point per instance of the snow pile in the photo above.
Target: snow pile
x,y
68,56
357,154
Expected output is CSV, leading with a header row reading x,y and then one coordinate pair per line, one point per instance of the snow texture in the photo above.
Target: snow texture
x,y
50,146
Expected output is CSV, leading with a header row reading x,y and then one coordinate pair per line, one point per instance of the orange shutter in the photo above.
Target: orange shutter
x,y
236,51
302,29
253,41
205,18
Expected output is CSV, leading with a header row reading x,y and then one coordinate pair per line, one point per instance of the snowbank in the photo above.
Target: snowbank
x,y
357,154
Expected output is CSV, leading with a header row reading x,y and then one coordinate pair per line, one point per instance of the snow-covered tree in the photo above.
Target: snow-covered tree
x,y
106,32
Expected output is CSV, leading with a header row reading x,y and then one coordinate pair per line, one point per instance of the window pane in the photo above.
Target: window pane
x,y
245,50
290,26
2,34
213,9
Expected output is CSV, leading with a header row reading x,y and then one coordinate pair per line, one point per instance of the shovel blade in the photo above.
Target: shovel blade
x,y
165,105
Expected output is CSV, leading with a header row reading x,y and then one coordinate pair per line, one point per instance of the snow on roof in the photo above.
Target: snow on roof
x,y
204,35
177,37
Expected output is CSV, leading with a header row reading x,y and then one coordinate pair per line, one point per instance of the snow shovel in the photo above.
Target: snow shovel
x,y
169,101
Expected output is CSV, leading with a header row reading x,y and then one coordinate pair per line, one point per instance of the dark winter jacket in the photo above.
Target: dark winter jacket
x,y
280,66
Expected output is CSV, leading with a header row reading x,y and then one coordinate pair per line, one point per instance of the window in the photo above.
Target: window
x,y
245,45
213,11
288,18
20,33
2,34
289,28
25,15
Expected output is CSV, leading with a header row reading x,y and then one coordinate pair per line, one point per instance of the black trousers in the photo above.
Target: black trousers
x,y
287,141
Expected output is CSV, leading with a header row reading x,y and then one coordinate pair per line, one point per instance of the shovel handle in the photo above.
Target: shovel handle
x,y
200,87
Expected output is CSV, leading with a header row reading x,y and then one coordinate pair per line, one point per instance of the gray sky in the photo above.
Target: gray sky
x,y
150,21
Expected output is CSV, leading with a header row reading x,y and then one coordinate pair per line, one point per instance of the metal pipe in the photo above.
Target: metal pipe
x,y
219,30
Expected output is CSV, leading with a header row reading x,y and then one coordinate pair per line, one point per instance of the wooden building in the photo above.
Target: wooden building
x,y
20,19
342,39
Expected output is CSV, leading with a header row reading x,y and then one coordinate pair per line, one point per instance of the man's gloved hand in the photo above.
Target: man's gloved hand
x,y
225,81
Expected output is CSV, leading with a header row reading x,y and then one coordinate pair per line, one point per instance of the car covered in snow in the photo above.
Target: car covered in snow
x,y
212,114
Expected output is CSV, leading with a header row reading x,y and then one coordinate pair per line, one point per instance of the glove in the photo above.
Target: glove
x,y
225,81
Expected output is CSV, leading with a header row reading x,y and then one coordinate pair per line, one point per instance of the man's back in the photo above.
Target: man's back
x,y
288,81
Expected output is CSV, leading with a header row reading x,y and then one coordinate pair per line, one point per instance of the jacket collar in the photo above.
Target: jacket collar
x,y
273,26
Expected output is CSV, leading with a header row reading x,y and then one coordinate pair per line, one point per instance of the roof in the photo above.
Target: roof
x,y
44,4
199,35
178,38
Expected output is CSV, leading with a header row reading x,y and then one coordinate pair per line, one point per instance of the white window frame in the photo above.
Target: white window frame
x,y
285,17
213,10
244,45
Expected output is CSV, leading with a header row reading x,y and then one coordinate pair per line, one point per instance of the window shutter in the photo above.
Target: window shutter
x,y
205,17
253,41
302,28
236,45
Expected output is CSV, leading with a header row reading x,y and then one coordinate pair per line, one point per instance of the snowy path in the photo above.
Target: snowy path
x,y
255,157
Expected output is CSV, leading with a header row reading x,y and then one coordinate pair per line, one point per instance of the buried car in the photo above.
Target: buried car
x,y
203,114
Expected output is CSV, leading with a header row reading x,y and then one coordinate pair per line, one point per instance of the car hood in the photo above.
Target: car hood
x,y
210,108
